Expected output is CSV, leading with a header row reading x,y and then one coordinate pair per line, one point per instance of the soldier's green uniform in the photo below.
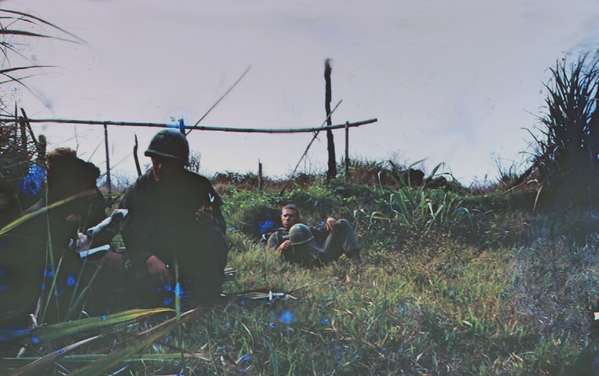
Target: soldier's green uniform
x,y
161,221
316,245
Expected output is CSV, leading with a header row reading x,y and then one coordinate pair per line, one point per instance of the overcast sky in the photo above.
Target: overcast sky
x,y
449,81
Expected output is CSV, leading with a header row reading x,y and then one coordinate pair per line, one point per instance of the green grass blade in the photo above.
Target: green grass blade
x,y
112,360
37,366
66,329
86,358
407,215
78,303
19,221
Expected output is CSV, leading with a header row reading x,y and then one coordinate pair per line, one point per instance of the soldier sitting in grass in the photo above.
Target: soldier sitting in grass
x,y
174,231
38,255
308,246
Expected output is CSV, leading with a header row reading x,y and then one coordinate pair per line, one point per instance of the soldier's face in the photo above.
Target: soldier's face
x,y
162,168
289,217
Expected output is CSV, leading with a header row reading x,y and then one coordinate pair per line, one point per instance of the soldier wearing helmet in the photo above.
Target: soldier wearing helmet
x,y
308,246
174,230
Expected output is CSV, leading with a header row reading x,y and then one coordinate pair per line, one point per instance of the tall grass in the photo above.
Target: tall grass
x,y
428,298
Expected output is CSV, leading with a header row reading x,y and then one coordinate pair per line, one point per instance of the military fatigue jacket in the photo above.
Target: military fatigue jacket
x,y
161,216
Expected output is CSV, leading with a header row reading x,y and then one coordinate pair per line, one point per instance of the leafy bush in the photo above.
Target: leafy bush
x,y
566,159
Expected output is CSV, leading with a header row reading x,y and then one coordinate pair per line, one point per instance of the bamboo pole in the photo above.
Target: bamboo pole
x,y
23,123
260,180
41,150
107,160
203,128
346,177
332,172
136,158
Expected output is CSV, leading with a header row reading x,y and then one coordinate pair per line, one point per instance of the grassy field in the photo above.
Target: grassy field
x,y
450,284
454,281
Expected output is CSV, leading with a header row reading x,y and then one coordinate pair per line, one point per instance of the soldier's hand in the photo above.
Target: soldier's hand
x,y
286,244
330,223
204,215
158,270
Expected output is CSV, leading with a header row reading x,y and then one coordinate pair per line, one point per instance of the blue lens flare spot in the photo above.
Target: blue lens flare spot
x,y
32,184
49,272
266,225
71,282
287,317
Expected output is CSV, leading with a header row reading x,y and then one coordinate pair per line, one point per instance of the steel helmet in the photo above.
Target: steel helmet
x,y
300,234
169,143
304,246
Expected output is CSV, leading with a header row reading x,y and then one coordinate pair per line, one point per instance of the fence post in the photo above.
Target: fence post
x,y
41,150
260,181
346,152
23,136
332,172
136,158
107,160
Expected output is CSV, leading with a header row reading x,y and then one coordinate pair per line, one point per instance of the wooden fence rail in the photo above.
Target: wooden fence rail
x,y
201,127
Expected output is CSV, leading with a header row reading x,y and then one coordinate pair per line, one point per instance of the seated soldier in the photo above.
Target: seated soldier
x,y
308,246
174,231
38,256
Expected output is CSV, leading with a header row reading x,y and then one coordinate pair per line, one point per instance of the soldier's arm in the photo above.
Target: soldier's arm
x,y
137,247
211,214
273,241
219,219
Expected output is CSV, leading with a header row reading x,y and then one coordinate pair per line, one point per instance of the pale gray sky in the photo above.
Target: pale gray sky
x,y
449,81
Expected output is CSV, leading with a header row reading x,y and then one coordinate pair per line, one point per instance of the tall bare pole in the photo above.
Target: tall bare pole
x,y
332,172
107,160
346,175
260,180
136,158
23,132
41,150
